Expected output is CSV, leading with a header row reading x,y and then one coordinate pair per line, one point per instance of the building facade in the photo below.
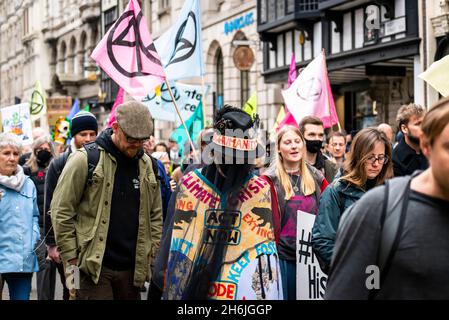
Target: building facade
x,y
49,41
375,50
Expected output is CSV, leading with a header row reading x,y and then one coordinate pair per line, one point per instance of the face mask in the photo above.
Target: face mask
x,y
313,146
43,157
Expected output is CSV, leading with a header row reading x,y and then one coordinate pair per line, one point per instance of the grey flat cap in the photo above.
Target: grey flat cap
x,y
135,120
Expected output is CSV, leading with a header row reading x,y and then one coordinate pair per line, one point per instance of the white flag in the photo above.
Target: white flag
x,y
311,94
180,47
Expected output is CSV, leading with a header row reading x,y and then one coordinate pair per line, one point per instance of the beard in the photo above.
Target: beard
x,y
413,139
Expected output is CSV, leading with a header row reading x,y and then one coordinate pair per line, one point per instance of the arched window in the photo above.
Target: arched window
x,y
84,55
244,86
219,78
73,68
63,59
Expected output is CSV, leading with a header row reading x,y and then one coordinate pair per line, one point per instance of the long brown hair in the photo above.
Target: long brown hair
x,y
307,181
361,147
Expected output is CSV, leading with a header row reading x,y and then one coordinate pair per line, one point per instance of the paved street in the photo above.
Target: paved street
x,y
58,294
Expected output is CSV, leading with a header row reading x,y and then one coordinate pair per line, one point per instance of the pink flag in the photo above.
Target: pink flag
x,y
310,94
118,101
288,120
127,54
292,71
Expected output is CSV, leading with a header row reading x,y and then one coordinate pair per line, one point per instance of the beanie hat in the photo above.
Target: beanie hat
x,y
83,120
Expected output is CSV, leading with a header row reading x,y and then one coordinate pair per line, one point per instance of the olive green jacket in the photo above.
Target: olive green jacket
x,y
80,214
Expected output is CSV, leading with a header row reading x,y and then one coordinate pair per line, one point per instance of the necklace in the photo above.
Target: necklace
x,y
295,187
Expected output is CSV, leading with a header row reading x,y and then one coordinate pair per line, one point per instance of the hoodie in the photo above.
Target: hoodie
x,y
121,242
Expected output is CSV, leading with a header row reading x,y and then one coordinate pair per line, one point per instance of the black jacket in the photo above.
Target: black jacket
x,y
406,160
38,177
51,180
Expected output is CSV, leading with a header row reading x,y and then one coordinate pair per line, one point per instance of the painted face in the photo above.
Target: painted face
x,y
337,147
83,137
9,159
376,160
291,148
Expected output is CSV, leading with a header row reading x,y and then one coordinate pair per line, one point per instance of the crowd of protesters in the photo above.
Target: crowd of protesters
x,y
117,211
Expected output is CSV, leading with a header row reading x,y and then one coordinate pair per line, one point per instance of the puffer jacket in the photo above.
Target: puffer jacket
x,y
81,217
19,228
337,197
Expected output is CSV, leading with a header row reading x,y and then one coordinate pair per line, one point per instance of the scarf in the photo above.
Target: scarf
x,y
15,181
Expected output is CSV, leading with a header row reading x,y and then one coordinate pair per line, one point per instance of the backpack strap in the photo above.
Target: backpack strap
x,y
155,168
93,156
394,210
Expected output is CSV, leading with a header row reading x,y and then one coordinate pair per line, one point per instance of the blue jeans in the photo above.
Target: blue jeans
x,y
288,273
19,285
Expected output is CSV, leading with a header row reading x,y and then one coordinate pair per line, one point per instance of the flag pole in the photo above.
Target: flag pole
x,y
180,117
203,105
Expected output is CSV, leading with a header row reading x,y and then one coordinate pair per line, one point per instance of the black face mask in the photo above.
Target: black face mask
x,y
313,146
43,156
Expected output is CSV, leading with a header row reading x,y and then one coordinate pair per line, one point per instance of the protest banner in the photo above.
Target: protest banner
x,y
187,97
16,120
310,279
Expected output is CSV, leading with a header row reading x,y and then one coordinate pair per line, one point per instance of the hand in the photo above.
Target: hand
x,y
173,185
73,261
53,253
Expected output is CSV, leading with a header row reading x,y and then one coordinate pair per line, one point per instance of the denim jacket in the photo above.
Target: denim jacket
x,y
19,228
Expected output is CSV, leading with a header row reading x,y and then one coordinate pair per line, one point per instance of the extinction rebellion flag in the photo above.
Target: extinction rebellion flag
x,y
127,54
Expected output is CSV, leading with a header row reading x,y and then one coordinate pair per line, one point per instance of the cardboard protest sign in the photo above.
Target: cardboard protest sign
x,y
310,279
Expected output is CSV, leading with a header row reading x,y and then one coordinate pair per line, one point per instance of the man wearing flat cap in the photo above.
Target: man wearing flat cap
x,y
111,228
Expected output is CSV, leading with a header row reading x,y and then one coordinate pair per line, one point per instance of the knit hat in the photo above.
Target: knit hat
x,y
83,120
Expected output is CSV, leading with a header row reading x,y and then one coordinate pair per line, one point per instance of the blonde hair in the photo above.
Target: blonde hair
x,y
32,162
307,180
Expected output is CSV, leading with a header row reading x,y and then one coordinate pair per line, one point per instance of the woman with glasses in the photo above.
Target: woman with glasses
x,y
367,165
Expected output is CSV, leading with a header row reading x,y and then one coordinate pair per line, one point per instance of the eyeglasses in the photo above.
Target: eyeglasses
x,y
133,140
382,159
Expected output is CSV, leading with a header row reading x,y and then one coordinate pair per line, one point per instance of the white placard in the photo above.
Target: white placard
x,y
310,279
187,99
16,120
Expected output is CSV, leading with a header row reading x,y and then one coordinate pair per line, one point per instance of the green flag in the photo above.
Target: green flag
x,y
86,107
194,125
38,106
250,106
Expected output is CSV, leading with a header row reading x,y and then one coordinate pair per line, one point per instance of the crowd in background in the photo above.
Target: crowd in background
x,y
314,170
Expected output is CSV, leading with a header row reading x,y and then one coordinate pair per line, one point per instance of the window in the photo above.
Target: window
x,y
219,79
244,87
164,5
109,18
25,22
